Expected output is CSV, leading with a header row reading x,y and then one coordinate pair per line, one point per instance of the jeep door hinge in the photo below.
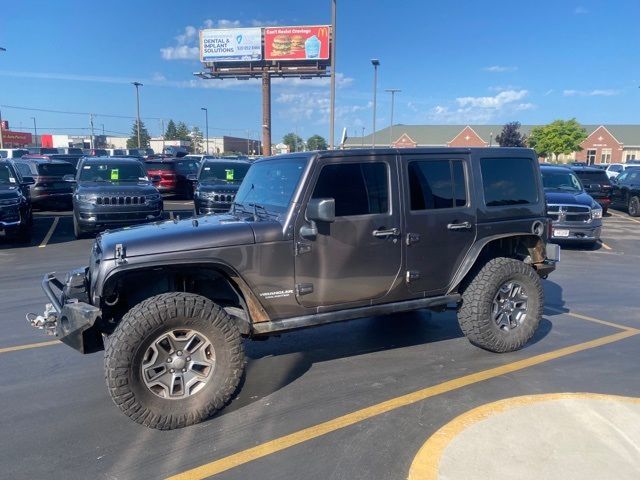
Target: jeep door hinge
x,y
304,288
412,238
412,275
302,248
120,253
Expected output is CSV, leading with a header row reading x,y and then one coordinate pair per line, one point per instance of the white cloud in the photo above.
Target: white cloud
x,y
481,109
186,44
580,10
549,92
499,69
341,81
591,93
315,107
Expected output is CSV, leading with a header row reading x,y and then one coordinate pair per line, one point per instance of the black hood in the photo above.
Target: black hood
x,y
8,191
555,197
188,235
116,189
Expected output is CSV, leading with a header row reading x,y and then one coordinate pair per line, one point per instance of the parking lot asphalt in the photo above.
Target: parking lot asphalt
x,y
358,400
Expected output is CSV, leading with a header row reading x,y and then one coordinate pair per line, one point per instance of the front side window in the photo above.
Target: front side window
x,y
435,184
509,181
358,188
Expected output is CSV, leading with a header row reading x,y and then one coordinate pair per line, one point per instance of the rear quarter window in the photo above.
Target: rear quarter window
x,y
509,181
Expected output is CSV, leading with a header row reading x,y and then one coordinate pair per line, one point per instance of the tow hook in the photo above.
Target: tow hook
x,y
47,321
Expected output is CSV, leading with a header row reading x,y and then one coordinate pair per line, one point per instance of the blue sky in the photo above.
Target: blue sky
x,y
456,62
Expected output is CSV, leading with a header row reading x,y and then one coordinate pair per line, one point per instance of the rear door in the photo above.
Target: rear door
x,y
358,257
440,222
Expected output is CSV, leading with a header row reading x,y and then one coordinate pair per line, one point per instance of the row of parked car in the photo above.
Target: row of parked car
x,y
107,192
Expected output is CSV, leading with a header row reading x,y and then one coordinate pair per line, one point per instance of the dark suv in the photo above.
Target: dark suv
x,y
112,192
15,207
218,182
597,184
49,188
575,215
312,238
626,194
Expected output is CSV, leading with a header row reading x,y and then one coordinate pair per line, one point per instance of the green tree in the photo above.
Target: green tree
x,y
182,132
294,142
558,137
197,140
510,136
316,142
132,141
171,132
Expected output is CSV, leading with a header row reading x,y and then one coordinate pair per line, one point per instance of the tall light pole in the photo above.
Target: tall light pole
x,y
332,115
35,131
376,63
362,138
393,92
137,85
206,126
2,49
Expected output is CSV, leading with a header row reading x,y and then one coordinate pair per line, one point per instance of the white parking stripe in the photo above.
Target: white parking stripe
x,y
626,218
49,233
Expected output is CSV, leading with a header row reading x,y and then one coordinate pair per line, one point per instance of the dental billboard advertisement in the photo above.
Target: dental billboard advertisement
x,y
231,45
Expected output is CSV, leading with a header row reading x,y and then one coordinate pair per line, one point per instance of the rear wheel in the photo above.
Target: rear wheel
x,y
174,360
502,305
634,206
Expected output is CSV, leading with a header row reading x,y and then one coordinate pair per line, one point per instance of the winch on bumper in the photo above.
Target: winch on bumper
x,y
67,316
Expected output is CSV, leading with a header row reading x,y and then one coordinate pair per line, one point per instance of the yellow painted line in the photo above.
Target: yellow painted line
x,y
358,416
49,233
29,346
426,463
626,218
592,319
605,246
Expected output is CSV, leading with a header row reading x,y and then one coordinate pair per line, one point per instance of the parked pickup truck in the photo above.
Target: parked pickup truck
x,y
311,238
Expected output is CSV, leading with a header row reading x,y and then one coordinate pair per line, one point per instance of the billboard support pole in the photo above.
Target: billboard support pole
x,y
332,116
266,113
1,141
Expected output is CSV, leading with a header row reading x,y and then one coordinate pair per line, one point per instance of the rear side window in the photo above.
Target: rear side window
x,y
358,188
594,177
509,181
56,169
435,184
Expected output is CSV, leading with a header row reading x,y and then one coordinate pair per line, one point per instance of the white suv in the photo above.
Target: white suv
x,y
615,169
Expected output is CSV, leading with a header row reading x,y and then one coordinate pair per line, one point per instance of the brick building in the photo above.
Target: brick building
x,y
604,144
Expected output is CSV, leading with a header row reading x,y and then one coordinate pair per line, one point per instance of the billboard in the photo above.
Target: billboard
x,y
16,138
297,43
231,45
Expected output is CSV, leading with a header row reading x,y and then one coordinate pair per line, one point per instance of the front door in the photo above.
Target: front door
x,y
358,256
440,223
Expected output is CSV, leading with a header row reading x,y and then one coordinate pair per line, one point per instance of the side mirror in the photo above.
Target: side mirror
x,y
318,210
69,178
28,181
321,210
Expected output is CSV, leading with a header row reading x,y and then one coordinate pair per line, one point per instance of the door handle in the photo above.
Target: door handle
x,y
459,226
392,232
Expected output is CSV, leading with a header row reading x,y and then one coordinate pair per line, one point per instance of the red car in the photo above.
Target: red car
x,y
173,173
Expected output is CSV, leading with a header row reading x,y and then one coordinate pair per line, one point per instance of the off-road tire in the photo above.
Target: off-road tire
x,y
147,321
475,316
634,206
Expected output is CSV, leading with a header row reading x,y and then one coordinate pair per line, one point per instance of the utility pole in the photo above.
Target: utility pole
x,y
376,63
91,123
1,141
137,85
35,131
332,115
162,126
393,92
248,141
266,114
206,127
102,125
362,138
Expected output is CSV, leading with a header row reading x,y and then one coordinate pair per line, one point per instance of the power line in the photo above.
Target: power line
x,y
106,115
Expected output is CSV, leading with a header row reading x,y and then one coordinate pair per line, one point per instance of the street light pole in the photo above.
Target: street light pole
x,y
137,85
393,92
376,63
362,138
2,49
206,127
332,115
35,130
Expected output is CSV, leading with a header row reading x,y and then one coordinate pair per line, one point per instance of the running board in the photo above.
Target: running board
x,y
351,314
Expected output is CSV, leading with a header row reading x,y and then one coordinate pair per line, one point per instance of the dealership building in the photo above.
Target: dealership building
x,y
604,144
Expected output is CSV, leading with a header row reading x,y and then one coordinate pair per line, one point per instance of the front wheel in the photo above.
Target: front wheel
x,y
174,360
502,305
634,206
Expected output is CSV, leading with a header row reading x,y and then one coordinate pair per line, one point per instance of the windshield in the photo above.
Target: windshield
x,y
112,172
562,181
271,183
186,167
6,176
226,172
594,177
56,169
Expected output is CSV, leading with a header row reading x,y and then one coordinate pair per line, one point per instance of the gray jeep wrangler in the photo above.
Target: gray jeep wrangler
x,y
311,238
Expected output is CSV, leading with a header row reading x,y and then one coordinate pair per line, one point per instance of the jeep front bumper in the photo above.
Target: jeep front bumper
x,y
70,320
